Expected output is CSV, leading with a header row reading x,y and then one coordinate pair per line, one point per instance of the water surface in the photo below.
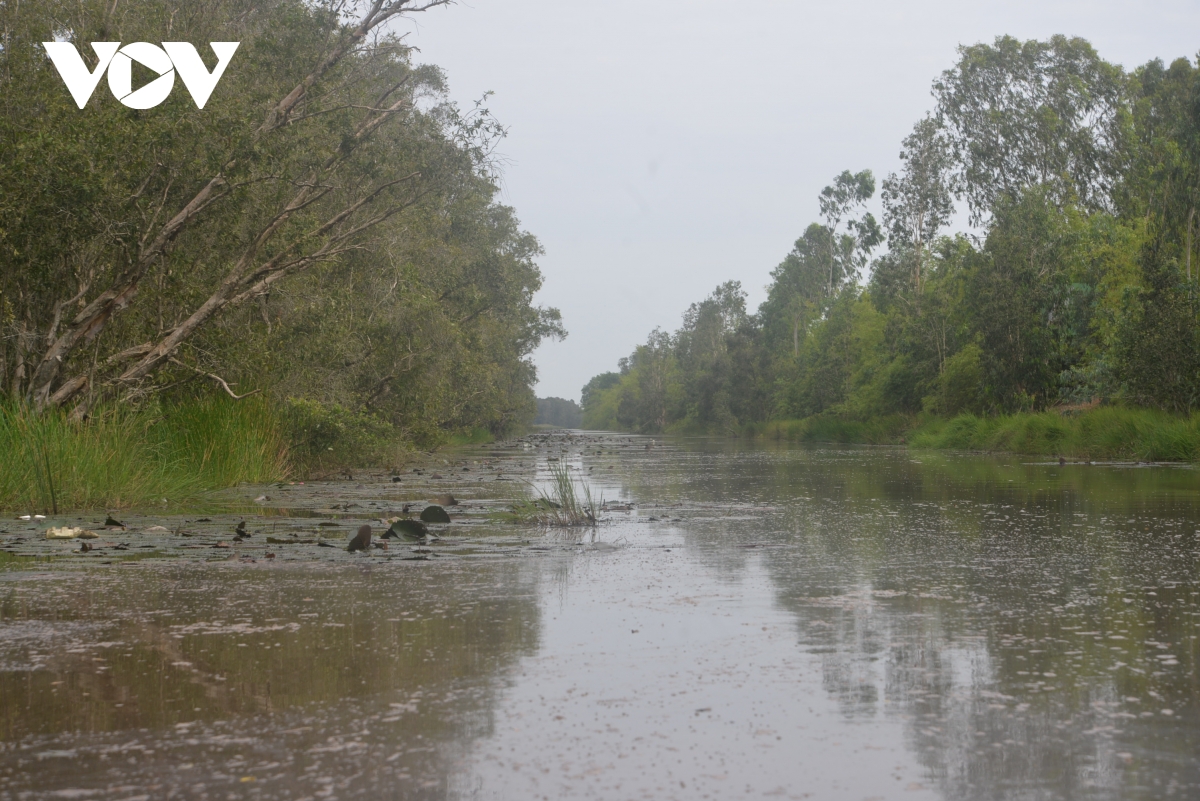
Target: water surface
x,y
750,621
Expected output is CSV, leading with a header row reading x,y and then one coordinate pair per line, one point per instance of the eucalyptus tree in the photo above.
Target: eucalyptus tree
x,y
827,257
1157,347
702,347
647,379
798,285
847,250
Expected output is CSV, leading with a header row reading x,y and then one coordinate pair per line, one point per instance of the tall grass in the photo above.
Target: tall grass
x,y
475,436
225,442
1103,433
828,428
1107,432
119,458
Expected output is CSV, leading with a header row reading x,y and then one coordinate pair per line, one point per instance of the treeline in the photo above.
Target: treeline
x,y
558,412
1083,180
325,231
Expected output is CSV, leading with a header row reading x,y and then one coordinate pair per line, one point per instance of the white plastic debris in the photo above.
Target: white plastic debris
x,y
62,533
69,533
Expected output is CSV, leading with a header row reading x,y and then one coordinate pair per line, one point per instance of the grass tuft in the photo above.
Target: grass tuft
x,y
562,505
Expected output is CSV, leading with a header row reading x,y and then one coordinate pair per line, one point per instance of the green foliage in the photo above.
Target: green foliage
x,y
600,406
558,412
960,386
345,255
829,428
1023,114
476,436
323,437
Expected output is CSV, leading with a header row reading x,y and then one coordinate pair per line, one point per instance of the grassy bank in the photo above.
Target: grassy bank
x,y
827,428
121,459
1102,433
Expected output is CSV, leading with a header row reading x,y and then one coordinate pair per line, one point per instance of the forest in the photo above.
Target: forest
x,y
324,233
1073,286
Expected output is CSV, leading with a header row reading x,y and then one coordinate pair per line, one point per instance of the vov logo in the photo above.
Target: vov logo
x,y
172,57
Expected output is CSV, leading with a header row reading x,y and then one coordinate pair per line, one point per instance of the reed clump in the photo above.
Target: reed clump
x,y
562,504
122,458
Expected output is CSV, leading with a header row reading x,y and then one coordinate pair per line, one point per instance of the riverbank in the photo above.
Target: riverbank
x,y
1102,433
122,459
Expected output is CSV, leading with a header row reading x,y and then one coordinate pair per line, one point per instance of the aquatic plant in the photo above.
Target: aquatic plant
x,y
560,505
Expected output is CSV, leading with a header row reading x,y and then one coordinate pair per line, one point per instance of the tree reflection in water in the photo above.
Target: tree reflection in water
x,y
1034,625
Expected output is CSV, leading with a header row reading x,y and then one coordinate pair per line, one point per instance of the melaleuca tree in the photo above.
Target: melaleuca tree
x,y
141,249
918,201
1023,114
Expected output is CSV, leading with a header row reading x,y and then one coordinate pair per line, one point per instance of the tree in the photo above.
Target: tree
x,y
823,260
214,211
798,285
703,358
646,384
918,203
847,251
1023,114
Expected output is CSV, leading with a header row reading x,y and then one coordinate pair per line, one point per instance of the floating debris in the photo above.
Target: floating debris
x,y
69,533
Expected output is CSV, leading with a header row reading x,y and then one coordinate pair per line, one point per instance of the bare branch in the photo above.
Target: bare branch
x,y
216,378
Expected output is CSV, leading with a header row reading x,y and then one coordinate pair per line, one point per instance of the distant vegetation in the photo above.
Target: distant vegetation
x,y
558,412
1081,291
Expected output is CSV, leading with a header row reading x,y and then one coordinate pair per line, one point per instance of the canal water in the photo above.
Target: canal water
x,y
748,620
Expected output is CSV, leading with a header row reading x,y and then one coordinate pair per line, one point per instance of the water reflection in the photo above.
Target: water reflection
x,y
1034,625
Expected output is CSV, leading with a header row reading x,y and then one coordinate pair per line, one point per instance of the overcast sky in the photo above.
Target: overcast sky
x,y
660,148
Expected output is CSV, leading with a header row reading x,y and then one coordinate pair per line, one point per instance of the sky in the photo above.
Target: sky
x,y
660,148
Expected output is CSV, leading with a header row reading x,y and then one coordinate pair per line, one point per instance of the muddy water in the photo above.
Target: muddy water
x,y
748,621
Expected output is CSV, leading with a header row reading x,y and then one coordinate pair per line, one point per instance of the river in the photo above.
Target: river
x,y
748,620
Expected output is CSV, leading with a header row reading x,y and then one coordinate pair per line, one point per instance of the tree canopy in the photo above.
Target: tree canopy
x,y
326,227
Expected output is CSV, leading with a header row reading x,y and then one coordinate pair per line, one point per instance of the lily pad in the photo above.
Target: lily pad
x,y
412,530
434,514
